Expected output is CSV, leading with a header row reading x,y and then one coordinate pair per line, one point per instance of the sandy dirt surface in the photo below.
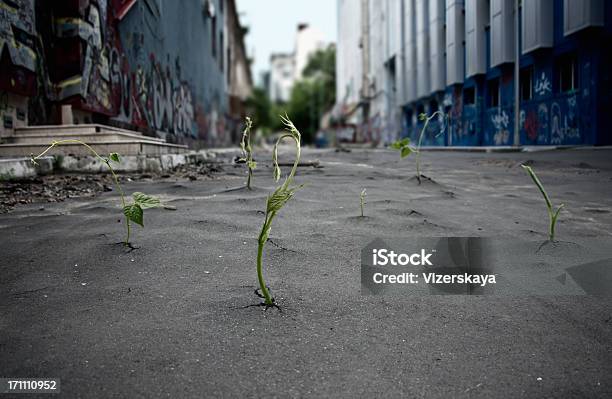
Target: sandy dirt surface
x,y
169,318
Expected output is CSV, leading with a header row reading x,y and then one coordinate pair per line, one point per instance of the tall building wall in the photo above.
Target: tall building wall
x,y
455,42
564,74
437,47
155,66
349,65
467,72
422,48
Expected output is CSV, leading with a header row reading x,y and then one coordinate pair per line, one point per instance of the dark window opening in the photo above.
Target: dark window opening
x,y
420,109
221,50
526,84
408,117
228,71
433,106
568,74
493,91
213,35
469,96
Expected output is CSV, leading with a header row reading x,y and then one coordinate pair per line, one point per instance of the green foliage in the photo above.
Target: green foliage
x,y
261,110
322,62
552,213
310,98
113,156
134,213
277,200
146,201
314,95
142,201
403,146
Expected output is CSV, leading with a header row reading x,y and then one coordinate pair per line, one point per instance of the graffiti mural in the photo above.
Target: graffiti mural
x,y
16,17
542,85
501,127
118,62
564,127
160,99
18,47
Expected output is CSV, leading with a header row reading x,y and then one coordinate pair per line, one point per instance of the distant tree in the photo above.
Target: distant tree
x,y
260,109
315,94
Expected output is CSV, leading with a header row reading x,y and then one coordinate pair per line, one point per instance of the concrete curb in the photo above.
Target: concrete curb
x,y
20,168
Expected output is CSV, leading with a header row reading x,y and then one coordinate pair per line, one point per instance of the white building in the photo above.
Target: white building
x,y
286,69
282,72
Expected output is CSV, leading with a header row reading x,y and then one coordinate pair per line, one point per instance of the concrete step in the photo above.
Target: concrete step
x,y
102,137
125,147
51,130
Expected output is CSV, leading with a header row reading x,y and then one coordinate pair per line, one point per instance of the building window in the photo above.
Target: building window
x,y
221,50
493,93
526,84
420,110
228,69
408,117
433,107
568,74
469,96
213,35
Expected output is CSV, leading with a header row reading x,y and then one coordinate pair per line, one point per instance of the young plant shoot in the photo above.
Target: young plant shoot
x,y
404,145
247,150
132,212
276,201
552,214
362,200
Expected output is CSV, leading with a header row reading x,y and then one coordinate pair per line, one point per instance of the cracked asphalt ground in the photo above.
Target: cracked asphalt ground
x,y
169,319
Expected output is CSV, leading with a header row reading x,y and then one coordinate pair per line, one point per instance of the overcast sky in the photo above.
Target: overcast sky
x,y
272,25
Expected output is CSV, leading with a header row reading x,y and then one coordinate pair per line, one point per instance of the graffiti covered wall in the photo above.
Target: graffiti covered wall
x,y
152,65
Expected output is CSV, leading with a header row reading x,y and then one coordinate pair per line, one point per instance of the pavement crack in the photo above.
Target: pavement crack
x,y
280,246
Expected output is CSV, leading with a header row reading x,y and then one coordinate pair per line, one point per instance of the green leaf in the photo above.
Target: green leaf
x,y
252,164
113,156
134,213
406,151
146,201
398,145
278,199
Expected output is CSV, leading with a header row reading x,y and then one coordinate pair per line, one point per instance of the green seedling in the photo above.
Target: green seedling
x,y
362,200
276,201
247,150
404,145
552,214
132,212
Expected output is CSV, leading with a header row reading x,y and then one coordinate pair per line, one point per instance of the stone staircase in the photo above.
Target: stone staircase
x,y
104,139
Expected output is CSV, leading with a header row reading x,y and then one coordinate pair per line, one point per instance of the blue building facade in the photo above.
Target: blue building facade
x,y
565,87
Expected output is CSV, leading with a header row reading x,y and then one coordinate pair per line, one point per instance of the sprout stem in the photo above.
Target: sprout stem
x,y
275,202
106,161
418,152
552,215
